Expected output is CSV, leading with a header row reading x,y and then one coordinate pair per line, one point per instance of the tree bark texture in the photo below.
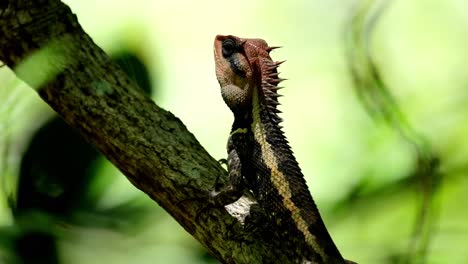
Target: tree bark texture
x,y
44,44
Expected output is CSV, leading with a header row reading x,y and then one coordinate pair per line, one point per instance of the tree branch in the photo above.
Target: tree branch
x,y
44,44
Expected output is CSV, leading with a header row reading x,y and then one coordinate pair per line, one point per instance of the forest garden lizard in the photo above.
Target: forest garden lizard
x,y
259,156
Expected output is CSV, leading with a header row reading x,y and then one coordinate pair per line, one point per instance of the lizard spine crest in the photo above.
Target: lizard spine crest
x,y
269,93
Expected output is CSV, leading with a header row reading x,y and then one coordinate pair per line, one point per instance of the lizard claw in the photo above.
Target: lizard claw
x,y
210,203
223,161
212,194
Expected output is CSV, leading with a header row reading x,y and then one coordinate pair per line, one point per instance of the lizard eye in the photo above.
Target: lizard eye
x,y
228,47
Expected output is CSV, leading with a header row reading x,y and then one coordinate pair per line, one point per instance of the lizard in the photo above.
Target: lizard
x,y
259,156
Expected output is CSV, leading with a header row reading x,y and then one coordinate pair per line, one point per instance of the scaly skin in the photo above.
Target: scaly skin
x,y
259,156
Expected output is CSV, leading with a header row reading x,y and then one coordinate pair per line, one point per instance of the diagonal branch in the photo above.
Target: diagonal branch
x,y
44,44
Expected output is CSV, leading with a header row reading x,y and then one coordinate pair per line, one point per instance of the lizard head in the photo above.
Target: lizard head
x,y
237,69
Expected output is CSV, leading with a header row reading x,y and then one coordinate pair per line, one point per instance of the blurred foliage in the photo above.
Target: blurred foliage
x,y
375,111
58,189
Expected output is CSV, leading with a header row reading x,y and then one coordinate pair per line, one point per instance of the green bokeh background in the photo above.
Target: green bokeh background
x,y
420,47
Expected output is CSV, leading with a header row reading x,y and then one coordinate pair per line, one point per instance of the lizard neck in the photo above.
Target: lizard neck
x,y
242,119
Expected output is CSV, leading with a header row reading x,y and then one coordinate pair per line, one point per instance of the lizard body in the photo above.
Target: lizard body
x,y
259,156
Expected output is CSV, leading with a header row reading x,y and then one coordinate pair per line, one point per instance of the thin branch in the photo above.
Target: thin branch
x,y
376,98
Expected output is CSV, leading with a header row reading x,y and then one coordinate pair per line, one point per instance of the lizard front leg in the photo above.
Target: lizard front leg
x,y
236,184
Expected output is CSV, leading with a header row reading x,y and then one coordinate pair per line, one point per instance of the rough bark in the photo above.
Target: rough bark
x,y
44,44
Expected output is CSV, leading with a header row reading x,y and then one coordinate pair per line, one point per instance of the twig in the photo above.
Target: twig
x,y
376,98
